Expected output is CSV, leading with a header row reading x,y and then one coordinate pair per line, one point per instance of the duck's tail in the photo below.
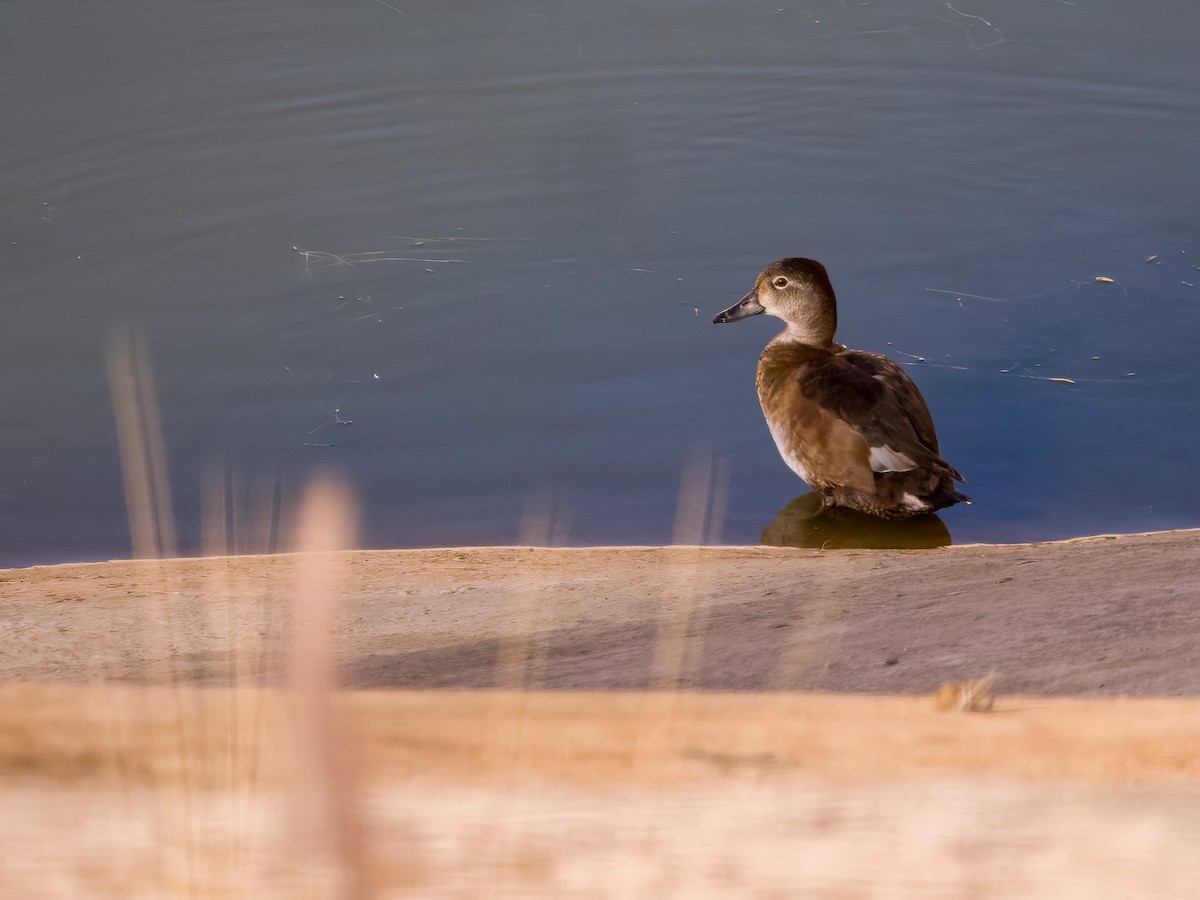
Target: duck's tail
x,y
945,494
915,492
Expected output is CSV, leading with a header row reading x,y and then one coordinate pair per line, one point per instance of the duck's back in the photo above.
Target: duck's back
x,y
853,425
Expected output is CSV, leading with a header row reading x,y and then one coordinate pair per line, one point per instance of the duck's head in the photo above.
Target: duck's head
x,y
796,290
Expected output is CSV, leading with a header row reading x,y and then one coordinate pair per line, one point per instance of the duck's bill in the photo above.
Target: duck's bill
x,y
747,306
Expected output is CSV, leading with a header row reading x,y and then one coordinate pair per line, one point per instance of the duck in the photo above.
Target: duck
x,y
851,423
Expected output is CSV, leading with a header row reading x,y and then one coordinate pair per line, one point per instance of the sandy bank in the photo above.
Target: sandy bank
x,y
144,750
1098,616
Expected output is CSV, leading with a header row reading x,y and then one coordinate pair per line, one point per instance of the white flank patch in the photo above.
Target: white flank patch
x,y
911,501
885,459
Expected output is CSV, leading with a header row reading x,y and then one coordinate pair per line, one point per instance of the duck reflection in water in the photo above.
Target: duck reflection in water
x,y
808,522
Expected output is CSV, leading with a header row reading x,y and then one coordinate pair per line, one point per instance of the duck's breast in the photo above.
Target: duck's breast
x,y
816,442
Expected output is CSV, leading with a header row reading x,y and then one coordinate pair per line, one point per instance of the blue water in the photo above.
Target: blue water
x,y
590,183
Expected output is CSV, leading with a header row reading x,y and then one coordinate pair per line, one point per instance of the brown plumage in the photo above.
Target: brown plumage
x,y
850,423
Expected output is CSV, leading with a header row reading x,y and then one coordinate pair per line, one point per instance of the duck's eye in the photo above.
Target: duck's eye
x,y
780,282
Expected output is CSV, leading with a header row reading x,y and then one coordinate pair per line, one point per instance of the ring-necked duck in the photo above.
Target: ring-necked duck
x,y
850,423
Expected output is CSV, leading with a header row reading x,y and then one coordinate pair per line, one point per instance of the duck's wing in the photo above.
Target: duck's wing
x,y
873,395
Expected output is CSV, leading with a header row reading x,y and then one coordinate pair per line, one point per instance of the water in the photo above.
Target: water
x,y
594,183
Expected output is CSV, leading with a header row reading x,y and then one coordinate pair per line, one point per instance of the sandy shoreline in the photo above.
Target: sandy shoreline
x,y
609,722
1102,616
